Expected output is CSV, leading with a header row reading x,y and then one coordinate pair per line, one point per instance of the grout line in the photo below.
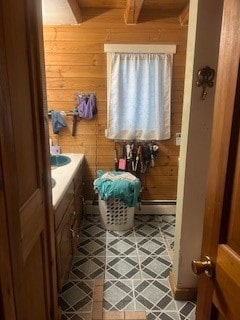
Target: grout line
x,y
106,253
134,298
138,256
168,248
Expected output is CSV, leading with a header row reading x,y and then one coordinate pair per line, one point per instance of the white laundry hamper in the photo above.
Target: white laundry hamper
x,y
115,214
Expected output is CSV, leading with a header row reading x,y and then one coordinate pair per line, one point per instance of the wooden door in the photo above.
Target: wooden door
x,y
219,296
27,265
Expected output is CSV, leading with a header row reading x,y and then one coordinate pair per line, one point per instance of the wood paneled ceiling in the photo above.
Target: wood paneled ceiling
x,y
133,10
175,5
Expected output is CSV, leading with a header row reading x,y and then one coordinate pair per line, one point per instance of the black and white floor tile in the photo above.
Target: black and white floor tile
x,y
134,264
121,246
155,267
153,295
83,268
151,246
148,229
118,295
186,310
76,296
122,267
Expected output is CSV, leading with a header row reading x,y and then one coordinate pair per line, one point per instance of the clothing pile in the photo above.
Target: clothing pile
x,y
117,184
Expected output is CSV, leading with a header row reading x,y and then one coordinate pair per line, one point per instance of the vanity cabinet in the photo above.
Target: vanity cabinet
x,y
64,246
68,214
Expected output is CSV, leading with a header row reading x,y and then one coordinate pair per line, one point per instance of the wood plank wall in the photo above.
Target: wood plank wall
x,y
76,62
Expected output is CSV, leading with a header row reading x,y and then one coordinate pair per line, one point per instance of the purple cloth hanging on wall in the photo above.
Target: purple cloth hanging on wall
x,y
86,106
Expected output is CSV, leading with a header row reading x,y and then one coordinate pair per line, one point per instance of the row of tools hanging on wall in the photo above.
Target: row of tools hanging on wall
x,y
136,157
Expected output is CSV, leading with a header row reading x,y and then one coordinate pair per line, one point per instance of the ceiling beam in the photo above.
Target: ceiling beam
x,y
76,10
183,18
132,11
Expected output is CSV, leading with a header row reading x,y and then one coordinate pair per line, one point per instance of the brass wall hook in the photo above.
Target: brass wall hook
x,y
205,79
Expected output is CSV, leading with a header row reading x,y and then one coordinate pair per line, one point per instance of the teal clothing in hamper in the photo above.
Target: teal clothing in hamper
x,y
118,184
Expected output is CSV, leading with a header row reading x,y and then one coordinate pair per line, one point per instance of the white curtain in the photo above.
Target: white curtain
x,y
139,96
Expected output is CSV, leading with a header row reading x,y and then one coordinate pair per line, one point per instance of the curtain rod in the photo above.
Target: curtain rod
x,y
140,48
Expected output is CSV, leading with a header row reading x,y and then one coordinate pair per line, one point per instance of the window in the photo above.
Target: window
x,y
139,94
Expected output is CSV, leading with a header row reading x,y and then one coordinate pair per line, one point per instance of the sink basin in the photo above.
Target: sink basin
x,y
53,182
58,160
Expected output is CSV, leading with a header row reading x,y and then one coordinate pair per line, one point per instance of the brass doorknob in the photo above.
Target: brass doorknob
x,y
206,266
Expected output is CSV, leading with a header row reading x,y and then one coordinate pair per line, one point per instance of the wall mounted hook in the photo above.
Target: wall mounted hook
x,y
205,79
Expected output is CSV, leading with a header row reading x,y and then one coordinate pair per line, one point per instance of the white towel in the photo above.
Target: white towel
x,y
121,176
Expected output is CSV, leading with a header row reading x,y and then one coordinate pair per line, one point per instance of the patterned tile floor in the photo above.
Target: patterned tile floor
x,y
134,264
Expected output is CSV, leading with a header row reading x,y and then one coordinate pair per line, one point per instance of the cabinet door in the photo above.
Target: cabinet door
x,y
79,202
64,246
78,189
75,231
25,187
63,205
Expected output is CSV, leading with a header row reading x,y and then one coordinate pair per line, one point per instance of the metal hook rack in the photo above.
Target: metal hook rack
x,y
205,79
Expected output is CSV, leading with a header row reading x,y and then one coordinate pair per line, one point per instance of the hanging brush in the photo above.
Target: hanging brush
x,y
128,154
116,158
132,158
152,163
137,157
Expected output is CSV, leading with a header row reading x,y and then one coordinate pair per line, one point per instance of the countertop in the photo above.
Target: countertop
x,y
64,175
